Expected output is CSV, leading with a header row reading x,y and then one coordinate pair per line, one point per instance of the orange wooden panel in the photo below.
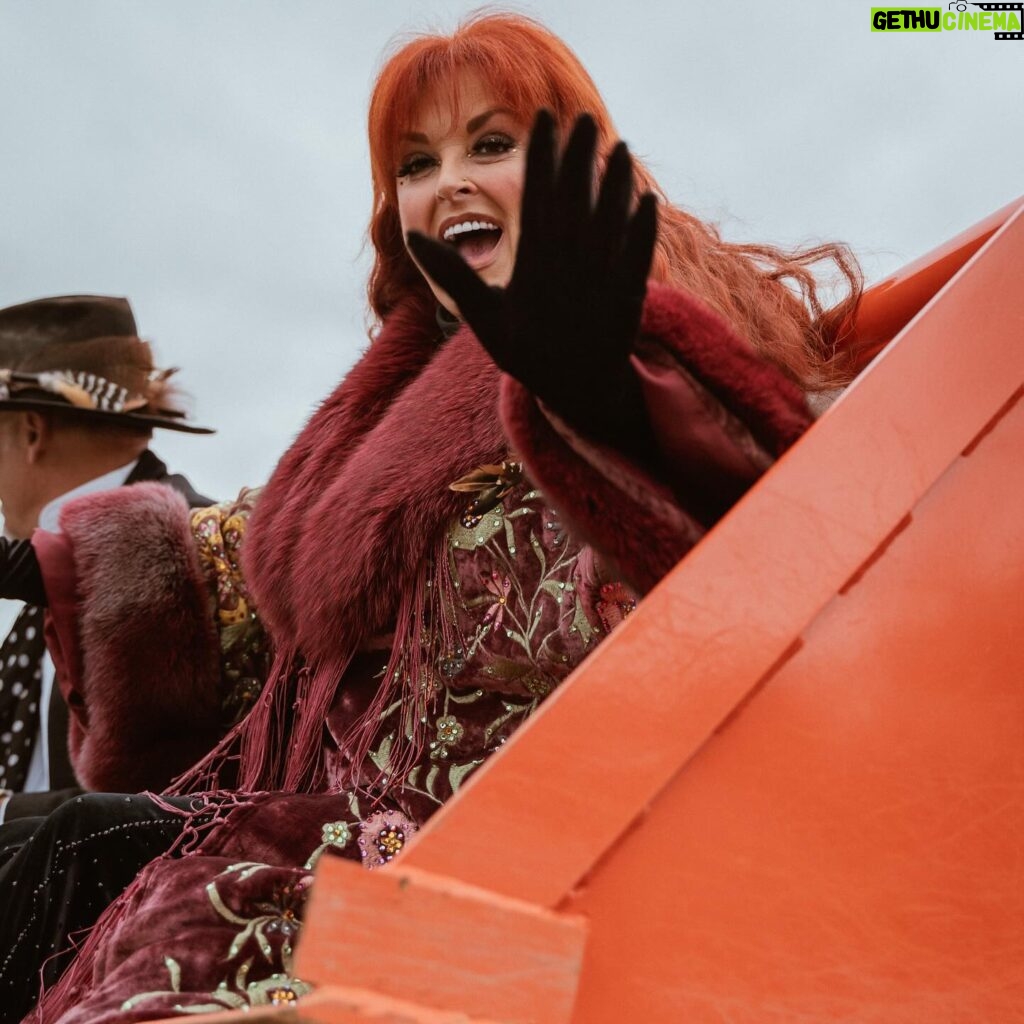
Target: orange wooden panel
x,y
815,811
357,1006
535,819
850,847
439,944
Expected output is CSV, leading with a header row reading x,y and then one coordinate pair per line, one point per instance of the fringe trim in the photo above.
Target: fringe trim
x,y
426,640
280,745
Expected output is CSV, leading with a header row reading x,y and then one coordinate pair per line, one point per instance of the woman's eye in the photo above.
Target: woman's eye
x,y
414,165
494,144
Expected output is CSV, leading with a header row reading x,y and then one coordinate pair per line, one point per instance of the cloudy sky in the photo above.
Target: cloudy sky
x,y
206,159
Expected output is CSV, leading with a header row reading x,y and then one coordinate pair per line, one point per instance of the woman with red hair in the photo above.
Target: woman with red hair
x,y
767,295
569,383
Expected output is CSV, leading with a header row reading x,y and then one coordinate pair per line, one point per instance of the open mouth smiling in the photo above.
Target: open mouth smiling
x,y
476,238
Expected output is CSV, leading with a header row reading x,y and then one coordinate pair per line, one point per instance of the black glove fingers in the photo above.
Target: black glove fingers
x,y
627,279
575,184
638,249
538,187
608,225
479,305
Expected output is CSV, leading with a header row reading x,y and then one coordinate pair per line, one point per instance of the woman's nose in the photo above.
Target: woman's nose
x,y
453,181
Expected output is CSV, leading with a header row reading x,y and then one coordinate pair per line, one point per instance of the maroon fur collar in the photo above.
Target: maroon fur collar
x,y
341,529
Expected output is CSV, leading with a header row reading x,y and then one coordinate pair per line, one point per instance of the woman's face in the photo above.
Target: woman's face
x,y
460,180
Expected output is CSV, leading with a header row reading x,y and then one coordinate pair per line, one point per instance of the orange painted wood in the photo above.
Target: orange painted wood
x,y
537,817
357,1006
850,846
440,944
790,787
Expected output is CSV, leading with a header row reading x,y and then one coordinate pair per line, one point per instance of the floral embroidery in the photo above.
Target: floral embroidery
x,y
615,604
449,732
510,608
245,659
504,622
236,994
490,483
278,914
499,586
382,836
282,995
334,833
270,922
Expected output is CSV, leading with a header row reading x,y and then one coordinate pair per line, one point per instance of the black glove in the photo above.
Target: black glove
x,y
565,324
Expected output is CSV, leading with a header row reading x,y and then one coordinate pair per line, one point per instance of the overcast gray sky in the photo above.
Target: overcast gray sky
x,y
206,159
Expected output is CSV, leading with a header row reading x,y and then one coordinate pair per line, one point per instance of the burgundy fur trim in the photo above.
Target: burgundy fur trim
x,y
339,536
405,344
340,530
376,518
148,703
349,513
770,404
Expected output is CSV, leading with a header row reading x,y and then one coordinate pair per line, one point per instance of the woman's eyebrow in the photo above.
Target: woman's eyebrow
x,y
471,125
476,122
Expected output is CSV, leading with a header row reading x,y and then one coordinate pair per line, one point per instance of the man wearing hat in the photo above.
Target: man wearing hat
x,y
79,398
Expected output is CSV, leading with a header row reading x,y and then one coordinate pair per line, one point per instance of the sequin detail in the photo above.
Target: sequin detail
x,y
244,648
382,837
334,833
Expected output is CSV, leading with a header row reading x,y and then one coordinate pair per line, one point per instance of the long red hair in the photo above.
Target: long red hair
x,y
769,295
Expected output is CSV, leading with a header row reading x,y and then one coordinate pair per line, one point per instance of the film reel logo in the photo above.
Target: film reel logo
x,y
1000,33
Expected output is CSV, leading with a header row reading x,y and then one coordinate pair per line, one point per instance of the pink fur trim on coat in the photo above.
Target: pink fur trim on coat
x,y
147,704
405,344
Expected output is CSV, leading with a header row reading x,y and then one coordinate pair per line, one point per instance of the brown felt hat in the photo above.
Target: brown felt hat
x,y
82,354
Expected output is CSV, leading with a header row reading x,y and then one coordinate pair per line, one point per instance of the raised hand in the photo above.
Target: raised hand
x,y
566,322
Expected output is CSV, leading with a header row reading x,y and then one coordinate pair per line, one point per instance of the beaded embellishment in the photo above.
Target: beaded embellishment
x,y
382,837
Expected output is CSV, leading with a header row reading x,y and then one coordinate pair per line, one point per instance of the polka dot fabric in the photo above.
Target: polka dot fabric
x,y
21,673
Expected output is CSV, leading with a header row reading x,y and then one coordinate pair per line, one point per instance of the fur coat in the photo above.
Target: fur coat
x,y
366,473
415,626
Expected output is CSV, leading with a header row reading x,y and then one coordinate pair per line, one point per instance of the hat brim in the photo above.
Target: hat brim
x,y
128,418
